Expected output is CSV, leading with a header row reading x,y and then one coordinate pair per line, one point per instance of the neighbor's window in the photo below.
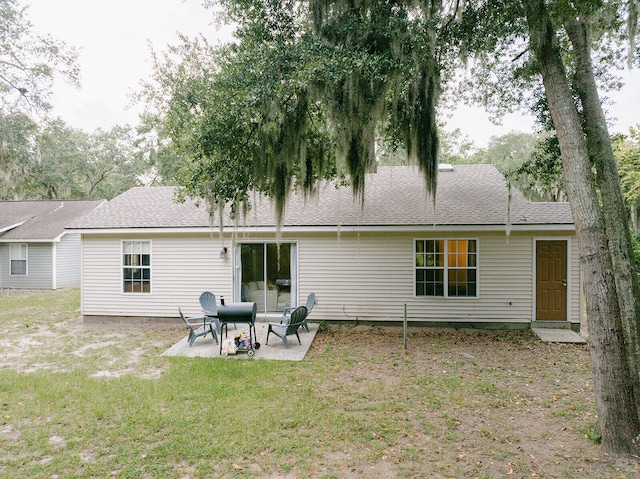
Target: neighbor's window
x,y
447,268
18,259
136,266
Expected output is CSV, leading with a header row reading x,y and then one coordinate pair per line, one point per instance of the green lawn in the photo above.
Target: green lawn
x,y
81,402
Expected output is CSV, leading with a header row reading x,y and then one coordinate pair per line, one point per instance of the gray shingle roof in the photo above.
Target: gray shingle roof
x,y
40,220
471,195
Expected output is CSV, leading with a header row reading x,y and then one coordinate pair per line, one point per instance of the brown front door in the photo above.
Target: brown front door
x,y
551,280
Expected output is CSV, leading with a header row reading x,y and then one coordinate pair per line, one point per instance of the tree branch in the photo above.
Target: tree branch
x,y
520,55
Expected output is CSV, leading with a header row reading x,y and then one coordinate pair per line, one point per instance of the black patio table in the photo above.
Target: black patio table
x,y
238,313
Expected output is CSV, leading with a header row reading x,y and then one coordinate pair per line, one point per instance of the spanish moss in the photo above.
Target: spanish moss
x,y
632,23
286,107
379,39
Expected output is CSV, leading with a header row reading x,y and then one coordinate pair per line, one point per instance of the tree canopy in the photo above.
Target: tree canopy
x,y
42,157
303,94
627,151
314,89
57,161
29,62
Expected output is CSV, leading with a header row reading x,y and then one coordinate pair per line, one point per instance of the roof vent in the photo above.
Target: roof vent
x,y
445,167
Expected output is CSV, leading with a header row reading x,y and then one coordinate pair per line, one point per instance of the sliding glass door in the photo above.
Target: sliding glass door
x,y
266,275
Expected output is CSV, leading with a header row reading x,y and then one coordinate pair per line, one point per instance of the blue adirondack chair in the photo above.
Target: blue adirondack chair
x,y
286,313
210,309
197,327
282,330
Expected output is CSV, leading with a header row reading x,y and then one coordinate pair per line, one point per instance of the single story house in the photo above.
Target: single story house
x,y
480,255
36,252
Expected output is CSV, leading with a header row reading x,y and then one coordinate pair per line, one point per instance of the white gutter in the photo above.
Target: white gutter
x,y
325,229
28,240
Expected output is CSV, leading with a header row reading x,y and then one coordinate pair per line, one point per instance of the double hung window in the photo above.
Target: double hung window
x,y
136,266
18,259
446,268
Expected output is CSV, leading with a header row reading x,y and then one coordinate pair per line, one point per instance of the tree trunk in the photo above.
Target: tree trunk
x,y
615,214
617,415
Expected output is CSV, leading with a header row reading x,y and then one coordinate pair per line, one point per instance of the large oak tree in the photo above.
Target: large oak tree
x,y
617,413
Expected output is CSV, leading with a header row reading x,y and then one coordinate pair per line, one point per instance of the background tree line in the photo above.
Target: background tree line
x,y
57,161
52,160
44,158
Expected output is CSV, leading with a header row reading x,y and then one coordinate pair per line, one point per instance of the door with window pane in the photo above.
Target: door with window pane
x,y
267,275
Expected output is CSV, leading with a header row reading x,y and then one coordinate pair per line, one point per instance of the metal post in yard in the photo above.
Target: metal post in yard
x,y
405,326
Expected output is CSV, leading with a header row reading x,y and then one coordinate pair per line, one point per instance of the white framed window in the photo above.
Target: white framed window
x,y
18,253
136,266
446,267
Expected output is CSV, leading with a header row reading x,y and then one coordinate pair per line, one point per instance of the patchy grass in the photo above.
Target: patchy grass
x,y
98,401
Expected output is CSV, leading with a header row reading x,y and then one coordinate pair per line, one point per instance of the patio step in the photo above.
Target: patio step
x,y
549,335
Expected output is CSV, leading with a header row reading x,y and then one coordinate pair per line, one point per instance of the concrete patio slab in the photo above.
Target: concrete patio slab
x,y
549,335
275,350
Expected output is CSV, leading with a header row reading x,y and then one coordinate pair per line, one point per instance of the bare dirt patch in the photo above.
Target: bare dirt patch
x,y
31,342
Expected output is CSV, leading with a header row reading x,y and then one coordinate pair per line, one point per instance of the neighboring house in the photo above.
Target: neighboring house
x,y
461,262
36,252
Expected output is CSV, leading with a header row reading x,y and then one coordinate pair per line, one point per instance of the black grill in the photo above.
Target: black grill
x,y
239,313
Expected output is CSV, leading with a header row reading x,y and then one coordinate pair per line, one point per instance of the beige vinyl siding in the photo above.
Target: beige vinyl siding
x,y
367,276
356,276
39,268
67,259
575,296
181,268
371,277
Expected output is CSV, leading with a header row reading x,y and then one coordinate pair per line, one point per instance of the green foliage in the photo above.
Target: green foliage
x,y
507,152
530,162
626,150
17,131
301,95
502,72
456,148
56,161
54,171
539,177
590,431
29,62
114,164
636,250
501,75
236,130
309,88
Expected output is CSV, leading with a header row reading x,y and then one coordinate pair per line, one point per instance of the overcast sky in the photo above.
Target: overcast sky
x,y
114,38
